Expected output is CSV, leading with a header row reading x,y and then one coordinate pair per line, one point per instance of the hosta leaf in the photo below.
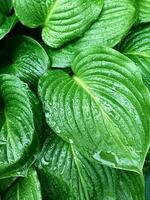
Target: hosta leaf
x,y
17,134
7,20
25,188
147,183
61,20
5,183
144,10
131,186
37,116
103,108
137,47
116,19
27,59
66,174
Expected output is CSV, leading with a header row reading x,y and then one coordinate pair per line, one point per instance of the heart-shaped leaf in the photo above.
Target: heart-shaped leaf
x,y
61,20
25,188
116,19
103,108
17,135
26,60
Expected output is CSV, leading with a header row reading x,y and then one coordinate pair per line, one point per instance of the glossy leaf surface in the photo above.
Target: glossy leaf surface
x,y
103,108
61,20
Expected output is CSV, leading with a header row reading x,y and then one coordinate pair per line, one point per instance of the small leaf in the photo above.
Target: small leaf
x,y
26,60
103,108
18,140
25,188
61,20
7,21
137,47
116,19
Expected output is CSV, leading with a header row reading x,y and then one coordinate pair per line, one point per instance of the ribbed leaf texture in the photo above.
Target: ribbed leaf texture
x,y
66,174
18,133
26,60
103,108
144,10
25,188
61,20
137,47
116,19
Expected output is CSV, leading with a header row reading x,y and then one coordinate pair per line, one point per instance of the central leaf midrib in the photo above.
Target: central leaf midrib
x,y
87,89
51,9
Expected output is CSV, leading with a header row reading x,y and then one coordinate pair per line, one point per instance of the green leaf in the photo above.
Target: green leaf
x,y
66,174
137,47
18,139
116,19
25,188
26,60
131,186
147,183
7,21
103,108
61,21
144,10
6,183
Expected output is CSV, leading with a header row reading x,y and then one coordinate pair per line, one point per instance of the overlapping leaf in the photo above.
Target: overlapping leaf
x,y
7,20
144,10
104,108
67,174
26,60
116,19
131,186
61,21
17,135
25,188
137,47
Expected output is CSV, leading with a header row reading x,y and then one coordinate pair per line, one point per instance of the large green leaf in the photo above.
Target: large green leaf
x,y
18,139
27,59
116,19
61,20
103,108
25,188
137,47
66,174
7,20
144,10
